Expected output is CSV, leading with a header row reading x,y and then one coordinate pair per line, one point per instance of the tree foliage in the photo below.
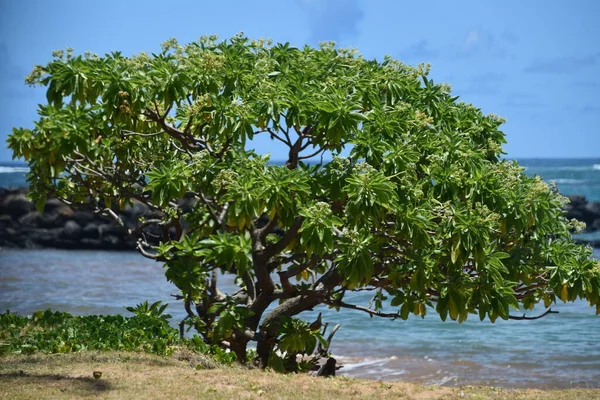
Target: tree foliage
x,y
424,210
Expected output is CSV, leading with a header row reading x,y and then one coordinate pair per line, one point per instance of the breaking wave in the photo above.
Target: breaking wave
x,y
12,170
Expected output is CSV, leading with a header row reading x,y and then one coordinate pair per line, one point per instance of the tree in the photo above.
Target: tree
x,y
424,211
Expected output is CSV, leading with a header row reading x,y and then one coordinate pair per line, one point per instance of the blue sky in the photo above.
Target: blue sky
x,y
537,63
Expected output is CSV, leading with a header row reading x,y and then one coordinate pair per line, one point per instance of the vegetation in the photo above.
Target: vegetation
x,y
59,332
147,376
416,205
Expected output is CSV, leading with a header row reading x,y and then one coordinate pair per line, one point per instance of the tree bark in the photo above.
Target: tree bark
x,y
270,327
238,345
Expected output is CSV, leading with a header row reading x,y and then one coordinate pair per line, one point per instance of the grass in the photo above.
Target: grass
x,y
188,375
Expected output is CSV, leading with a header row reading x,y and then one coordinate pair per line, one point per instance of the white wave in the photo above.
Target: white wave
x,y
365,363
441,381
540,169
10,170
567,181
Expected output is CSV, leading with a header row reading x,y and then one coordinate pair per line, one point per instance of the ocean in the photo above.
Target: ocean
x,y
558,351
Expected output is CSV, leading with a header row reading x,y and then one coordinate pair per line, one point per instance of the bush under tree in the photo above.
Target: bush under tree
x,y
423,210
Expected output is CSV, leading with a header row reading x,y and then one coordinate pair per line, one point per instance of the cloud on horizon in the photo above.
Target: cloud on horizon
x,y
475,43
335,20
563,64
484,84
522,101
420,51
482,43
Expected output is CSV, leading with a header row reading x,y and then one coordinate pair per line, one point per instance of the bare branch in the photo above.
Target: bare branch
x,y
118,220
310,155
298,268
268,228
291,233
364,309
290,289
223,213
276,136
209,207
132,133
140,247
251,290
522,318
186,139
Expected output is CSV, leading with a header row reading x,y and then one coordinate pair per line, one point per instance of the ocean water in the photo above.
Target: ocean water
x,y
13,174
559,350
572,176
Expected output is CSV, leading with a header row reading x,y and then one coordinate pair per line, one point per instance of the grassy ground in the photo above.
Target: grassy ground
x,y
187,375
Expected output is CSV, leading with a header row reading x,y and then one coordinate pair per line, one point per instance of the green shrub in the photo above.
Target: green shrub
x,y
59,332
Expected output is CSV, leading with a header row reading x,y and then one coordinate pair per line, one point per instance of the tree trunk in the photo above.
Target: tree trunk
x,y
238,346
270,327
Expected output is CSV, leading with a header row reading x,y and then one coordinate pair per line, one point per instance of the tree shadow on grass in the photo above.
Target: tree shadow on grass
x,y
22,379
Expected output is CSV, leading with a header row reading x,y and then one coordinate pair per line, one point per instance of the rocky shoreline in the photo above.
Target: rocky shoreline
x,y
59,226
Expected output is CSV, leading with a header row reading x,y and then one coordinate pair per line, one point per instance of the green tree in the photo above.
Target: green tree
x,y
424,211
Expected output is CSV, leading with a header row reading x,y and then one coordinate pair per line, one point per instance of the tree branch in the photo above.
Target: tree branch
x,y
310,155
548,311
276,136
364,309
291,233
265,230
186,139
132,133
140,247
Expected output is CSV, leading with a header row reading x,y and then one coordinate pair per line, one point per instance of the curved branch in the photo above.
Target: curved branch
x,y
276,136
310,155
132,133
187,140
140,248
364,309
548,311
279,246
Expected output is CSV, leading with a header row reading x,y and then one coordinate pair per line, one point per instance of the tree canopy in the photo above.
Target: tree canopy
x,y
424,211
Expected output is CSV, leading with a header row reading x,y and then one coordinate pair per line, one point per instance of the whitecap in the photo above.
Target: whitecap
x,y
366,363
10,170
567,181
596,167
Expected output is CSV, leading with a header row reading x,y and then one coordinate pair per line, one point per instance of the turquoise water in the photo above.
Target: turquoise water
x,y
572,176
560,350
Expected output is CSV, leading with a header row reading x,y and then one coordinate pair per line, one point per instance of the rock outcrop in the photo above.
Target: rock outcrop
x,y
584,211
60,226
